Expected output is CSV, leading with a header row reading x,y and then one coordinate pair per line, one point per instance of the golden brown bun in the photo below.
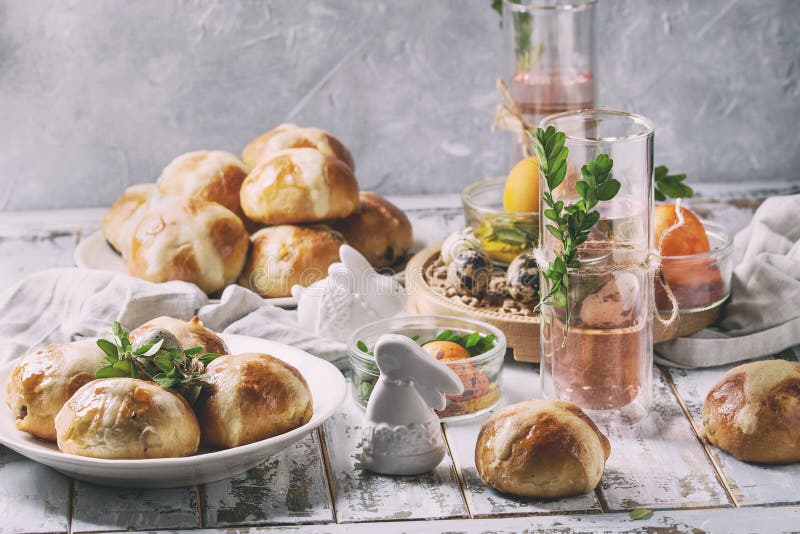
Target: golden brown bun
x,y
191,240
252,397
299,185
753,412
122,217
286,136
190,333
212,175
541,448
127,418
44,380
282,256
379,230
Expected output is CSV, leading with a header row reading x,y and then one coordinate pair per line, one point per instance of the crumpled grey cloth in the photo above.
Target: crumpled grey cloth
x,y
62,305
763,315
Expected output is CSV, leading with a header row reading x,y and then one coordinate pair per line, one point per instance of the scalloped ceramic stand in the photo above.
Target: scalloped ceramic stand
x,y
401,431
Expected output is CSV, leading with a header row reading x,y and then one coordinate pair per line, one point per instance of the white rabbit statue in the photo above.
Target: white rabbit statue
x,y
352,295
402,435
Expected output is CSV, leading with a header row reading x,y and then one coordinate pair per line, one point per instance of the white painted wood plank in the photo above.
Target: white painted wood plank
x,y
25,255
750,484
102,509
757,519
33,498
433,226
658,462
288,488
520,380
363,496
16,223
704,191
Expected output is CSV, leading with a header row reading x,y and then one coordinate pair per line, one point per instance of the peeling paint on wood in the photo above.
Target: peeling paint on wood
x,y
98,508
365,496
760,519
22,256
33,498
287,488
657,462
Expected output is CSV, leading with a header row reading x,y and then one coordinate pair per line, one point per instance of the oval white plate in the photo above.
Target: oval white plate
x,y
94,252
328,391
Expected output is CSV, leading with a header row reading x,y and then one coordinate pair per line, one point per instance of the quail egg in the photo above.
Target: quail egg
x,y
458,241
469,272
522,279
613,305
154,336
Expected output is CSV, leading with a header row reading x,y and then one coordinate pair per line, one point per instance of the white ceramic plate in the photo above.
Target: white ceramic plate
x,y
94,252
328,391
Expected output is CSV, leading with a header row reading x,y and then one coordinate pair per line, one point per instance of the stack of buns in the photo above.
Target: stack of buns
x,y
53,394
291,201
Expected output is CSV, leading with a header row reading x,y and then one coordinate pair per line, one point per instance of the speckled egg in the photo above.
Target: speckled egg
x,y
469,272
522,279
154,336
458,241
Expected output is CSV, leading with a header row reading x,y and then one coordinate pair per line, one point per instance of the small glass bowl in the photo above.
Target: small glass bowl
x,y
481,374
698,281
504,234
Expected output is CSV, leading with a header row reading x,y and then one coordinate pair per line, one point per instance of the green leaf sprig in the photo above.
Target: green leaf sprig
x,y
641,513
180,370
510,230
670,185
523,29
473,342
569,224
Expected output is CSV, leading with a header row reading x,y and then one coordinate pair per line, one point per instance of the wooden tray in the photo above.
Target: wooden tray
x,y
522,333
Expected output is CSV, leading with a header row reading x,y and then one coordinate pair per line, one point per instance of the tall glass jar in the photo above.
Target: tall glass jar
x,y
600,354
549,51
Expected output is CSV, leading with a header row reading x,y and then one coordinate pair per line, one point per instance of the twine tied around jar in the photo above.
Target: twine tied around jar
x,y
679,222
651,264
508,117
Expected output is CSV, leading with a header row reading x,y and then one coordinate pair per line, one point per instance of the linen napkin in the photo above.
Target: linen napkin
x,y
62,305
763,315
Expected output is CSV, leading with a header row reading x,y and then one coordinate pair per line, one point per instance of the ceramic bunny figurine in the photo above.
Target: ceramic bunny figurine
x,y
352,295
401,431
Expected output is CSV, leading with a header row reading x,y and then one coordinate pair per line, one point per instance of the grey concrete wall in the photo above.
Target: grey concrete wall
x,y
99,94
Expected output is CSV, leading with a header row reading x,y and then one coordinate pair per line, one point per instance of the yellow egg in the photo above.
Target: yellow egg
x,y
522,187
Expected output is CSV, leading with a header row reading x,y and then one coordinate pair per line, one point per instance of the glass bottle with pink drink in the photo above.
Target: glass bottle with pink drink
x,y
549,51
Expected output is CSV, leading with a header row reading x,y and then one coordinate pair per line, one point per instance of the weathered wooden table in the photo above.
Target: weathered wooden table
x,y
661,464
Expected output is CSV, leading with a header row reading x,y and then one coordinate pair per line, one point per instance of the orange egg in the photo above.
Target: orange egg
x,y
690,238
446,350
521,193
694,282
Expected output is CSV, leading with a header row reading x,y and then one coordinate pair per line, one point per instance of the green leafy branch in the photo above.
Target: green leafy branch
x,y
473,342
523,29
569,224
670,185
181,370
